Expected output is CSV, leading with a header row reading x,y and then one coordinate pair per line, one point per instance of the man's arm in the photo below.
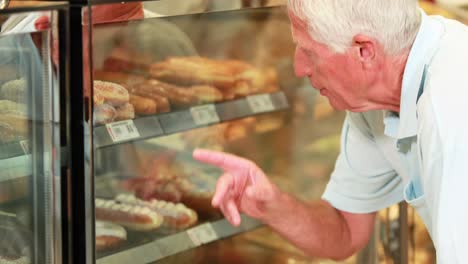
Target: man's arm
x,y
318,228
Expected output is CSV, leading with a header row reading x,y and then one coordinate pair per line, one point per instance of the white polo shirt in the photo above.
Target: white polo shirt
x,y
420,156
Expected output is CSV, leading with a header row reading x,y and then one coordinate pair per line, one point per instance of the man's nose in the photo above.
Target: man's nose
x,y
301,64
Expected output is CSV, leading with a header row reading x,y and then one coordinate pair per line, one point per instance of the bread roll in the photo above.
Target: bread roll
x,y
7,106
177,96
110,93
124,112
162,103
206,94
14,90
198,70
142,105
13,128
104,114
234,78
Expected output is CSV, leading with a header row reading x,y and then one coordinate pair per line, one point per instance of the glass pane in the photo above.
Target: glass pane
x,y
29,139
165,85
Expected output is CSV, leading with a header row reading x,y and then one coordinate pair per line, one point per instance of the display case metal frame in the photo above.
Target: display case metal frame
x,y
47,140
82,232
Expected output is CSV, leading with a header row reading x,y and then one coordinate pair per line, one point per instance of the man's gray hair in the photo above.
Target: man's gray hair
x,y
394,23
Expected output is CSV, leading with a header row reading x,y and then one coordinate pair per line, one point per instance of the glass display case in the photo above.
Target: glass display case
x,y
162,78
30,132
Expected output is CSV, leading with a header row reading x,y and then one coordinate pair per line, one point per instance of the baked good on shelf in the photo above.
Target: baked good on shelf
x,y
176,215
161,102
103,114
233,78
7,133
148,188
206,137
124,112
13,127
134,217
7,106
123,60
110,93
196,70
14,90
143,106
20,260
206,93
109,235
177,96
122,78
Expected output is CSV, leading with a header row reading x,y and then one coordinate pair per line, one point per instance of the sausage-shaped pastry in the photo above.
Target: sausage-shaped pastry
x,y
177,96
131,216
162,103
109,235
142,105
206,93
176,215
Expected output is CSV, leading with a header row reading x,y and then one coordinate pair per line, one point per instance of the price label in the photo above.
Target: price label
x,y
205,114
123,130
202,234
260,103
25,146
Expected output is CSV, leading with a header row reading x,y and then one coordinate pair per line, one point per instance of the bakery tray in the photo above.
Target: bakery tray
x,y
194,117
162,247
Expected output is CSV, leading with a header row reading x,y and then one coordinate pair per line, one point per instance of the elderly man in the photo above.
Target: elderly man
x,y
403,76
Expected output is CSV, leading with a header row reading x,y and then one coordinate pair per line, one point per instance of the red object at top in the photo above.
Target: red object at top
x,y
114,13
119,12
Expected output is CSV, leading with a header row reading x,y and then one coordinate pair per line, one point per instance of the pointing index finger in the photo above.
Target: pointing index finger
x,y
222,160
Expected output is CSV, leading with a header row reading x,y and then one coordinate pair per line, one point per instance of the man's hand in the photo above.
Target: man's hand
x,y
243,187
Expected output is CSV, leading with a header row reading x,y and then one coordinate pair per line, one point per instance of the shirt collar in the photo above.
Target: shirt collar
x,y
422,51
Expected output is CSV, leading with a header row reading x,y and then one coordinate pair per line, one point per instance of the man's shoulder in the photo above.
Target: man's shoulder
x,y
452,51
447,72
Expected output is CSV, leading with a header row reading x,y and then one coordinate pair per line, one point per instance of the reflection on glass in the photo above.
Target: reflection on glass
x,y
4,4
164,86
28,138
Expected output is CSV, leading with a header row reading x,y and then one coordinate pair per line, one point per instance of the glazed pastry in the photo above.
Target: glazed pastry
x,y
110,93
134,217
109,235
176,215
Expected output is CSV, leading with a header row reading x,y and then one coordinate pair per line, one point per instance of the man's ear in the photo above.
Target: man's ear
x,y
366,49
